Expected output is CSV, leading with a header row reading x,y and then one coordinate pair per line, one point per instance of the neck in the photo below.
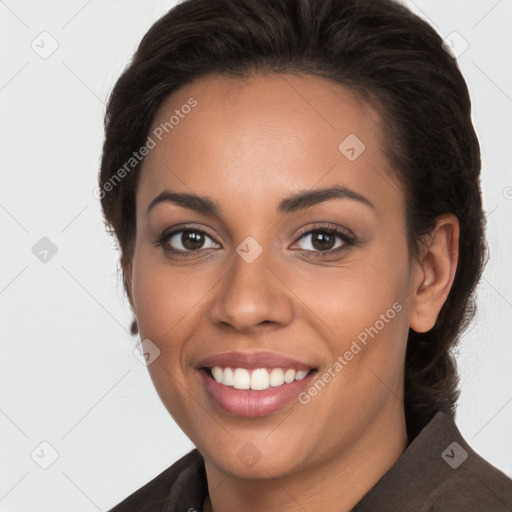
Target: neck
x,y
336,482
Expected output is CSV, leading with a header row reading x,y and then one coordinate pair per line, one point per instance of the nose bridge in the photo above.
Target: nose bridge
x,y
250,294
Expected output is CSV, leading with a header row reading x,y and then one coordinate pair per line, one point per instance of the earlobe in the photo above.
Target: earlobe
x,y
434,274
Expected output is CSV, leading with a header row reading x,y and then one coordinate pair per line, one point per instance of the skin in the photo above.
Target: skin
x,y
247,145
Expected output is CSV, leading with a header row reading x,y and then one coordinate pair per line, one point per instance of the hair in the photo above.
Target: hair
x,y
379,50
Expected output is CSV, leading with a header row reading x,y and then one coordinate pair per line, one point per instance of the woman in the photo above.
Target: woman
x,y
294,187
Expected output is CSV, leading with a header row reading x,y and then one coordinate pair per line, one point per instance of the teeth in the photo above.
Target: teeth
x,y
276,377
259,379
289,376
242,379
217,373
227,377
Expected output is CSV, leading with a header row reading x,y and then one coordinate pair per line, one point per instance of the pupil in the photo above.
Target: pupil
x,y
323,241
192,240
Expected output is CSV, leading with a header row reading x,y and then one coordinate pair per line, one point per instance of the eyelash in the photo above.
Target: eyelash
x,y
348,240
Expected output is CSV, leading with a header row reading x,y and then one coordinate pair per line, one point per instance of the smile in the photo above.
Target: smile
x,y
251,394
253,384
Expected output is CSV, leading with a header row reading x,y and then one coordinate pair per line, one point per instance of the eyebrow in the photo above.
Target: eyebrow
x,y
298,201
308,198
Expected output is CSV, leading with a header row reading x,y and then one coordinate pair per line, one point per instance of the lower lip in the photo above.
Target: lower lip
x,y
250,403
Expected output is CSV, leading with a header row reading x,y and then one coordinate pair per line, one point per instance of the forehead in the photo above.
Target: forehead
x,y
264,134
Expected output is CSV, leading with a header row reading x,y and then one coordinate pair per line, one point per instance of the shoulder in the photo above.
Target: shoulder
x,y
461,479
182,481
469,483
440,472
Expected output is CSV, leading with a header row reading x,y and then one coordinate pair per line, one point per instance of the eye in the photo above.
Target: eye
x,y
325,239
190,241
185,241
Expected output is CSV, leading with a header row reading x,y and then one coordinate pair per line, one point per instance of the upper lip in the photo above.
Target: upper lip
x,y
252,360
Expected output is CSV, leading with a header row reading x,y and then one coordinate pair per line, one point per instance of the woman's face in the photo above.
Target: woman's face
x,y
294,247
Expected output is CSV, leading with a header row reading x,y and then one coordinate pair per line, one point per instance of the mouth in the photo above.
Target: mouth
x,y
256,392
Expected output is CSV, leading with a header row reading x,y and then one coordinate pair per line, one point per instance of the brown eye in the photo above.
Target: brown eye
x,y
192,240
187,240
322,240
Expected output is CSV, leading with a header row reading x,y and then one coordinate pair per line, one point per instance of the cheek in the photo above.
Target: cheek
x,y
167,304
379,323
348,300
165,299
164,307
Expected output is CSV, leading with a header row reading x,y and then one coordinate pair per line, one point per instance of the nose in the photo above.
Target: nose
x,y
251,297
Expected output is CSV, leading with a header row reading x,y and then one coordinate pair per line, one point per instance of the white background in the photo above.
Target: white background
x,y
67,372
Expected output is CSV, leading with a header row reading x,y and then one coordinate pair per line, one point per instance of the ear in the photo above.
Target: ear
x,y
126,265
433,275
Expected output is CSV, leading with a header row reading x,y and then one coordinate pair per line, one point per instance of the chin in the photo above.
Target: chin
x,y
248,462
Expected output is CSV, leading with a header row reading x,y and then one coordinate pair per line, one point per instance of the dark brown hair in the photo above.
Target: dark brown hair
x,y
381,51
